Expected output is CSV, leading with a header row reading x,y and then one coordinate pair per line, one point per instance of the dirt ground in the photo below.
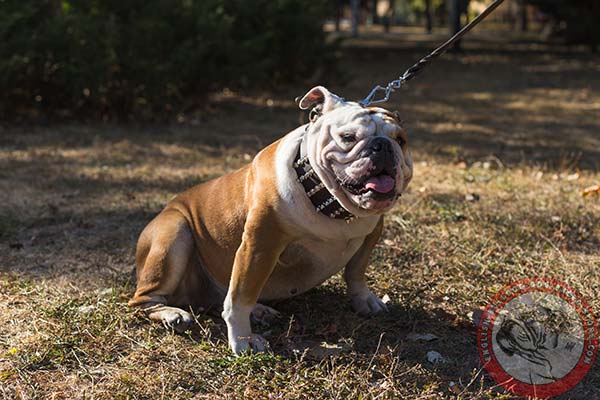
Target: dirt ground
x,y
505,136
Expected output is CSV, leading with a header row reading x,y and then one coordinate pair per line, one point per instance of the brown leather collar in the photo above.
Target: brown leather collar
x,y
316,191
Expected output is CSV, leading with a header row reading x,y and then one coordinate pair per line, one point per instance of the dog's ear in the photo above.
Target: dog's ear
x,y
318,96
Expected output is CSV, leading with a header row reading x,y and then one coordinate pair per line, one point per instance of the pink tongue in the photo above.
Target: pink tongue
x,y
381,184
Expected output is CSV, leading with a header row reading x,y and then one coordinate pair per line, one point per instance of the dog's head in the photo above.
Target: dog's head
x,y
360,154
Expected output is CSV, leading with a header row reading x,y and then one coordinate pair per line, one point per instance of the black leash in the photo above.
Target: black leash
x,y
418,67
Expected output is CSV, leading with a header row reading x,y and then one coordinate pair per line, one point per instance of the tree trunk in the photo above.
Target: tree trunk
x,y
454,11
523,17
338,14
375,15
389,17
428,16
355,4
55,8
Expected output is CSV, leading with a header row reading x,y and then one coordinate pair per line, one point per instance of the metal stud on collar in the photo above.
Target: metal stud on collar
x,y
306,175
325,204
323,201
301,161
315,189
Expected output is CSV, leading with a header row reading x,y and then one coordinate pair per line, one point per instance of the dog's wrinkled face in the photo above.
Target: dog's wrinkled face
x,y
360,154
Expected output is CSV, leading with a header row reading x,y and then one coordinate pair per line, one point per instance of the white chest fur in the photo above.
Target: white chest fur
x,y
324,245
296,208
308,263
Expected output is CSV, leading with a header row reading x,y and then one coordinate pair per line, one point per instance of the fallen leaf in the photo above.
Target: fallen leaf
x,y
319,351
325,349
539,175
382,384
86,309
472,197
573,177
328,330
435,358
428,337
475,316
106,292
454,388
590,190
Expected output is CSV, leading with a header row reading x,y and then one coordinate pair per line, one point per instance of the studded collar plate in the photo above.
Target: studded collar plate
x,y
316,191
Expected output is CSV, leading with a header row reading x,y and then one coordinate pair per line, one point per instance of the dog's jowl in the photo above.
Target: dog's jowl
x,y
307,206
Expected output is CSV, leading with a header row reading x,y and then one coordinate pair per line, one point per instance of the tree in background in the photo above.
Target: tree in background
x,y
375,15
355,6
577,20
454,13
338,13
523,17
456,9
431,12
428,17
150,58
388,19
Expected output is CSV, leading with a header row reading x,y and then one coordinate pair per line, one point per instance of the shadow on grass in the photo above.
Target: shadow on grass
x,y
475,104
324,315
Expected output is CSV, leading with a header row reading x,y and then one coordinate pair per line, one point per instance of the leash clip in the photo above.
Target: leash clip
x,y
416,68
391,87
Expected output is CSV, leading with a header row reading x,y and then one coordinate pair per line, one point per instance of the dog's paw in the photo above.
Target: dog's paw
x,y
263,314
367,303
172,318
248,344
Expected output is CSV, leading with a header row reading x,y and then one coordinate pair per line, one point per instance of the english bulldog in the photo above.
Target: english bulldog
x,y
306,207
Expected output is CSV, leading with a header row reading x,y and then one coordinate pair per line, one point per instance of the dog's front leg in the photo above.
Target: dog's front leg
x,y
363,300
262,244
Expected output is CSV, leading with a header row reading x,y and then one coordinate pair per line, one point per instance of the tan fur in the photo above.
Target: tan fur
x,y
201,230
247,236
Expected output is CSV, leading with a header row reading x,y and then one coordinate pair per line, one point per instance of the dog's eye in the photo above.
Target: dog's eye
x,y
400,141
348,138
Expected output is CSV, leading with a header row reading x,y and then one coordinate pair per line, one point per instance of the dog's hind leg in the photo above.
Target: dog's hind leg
x,y
162,257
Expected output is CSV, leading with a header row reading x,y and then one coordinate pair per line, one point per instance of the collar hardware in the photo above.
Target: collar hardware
x,y
323,201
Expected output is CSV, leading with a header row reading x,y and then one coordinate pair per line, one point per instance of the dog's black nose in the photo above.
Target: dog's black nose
x,y
377,145
381,153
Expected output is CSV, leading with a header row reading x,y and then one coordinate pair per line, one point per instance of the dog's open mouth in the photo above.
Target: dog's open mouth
x,y
378,187
381,184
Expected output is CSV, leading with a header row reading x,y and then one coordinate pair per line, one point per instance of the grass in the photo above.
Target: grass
x,y
504,138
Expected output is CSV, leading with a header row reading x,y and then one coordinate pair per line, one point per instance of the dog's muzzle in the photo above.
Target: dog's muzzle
x,y
379,183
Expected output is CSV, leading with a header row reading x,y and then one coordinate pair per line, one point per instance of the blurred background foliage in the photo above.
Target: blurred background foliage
x,y
156,59
149,58
575,20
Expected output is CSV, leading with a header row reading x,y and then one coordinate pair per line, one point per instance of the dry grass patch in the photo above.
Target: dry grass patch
x,y
501,161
